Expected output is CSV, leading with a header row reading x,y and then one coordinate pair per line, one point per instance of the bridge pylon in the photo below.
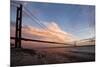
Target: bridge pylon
x,y
18,27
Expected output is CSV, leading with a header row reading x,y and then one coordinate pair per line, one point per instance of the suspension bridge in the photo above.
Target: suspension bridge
x,y
73,53
18,35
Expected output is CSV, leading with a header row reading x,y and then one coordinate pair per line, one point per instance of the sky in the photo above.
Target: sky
x,y
60,22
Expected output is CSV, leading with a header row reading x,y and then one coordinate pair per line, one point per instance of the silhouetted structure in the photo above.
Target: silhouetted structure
x,y
18,27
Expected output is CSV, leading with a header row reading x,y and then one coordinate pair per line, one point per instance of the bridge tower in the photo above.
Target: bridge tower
x,y
18,27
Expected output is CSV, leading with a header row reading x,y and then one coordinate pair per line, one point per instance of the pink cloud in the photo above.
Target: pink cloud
x,y
52,32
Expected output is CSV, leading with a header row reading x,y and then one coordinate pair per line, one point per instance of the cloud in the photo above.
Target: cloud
x,y
52,32
59,34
